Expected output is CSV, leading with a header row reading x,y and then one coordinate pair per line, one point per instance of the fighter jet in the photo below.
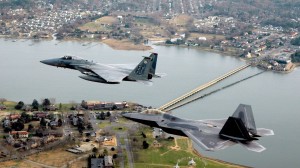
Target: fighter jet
x,y
109,73
210,135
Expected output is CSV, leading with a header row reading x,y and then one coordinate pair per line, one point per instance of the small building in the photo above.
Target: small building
x,y
108,162
48,139
97,163
19,134
40,114
10,139
2,107
14,116
6,123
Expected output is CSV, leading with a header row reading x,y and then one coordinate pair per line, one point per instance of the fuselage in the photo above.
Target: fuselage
x,y
172,124
82,65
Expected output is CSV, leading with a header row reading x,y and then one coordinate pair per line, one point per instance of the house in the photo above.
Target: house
x,y
48,139
102,162
14,116
293,34
97,163
108,162
97,105
2,107
40,114
6,123
10,139
19,134
27,108
50,108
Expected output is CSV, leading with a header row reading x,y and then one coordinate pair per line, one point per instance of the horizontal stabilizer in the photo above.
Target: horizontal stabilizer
x,y
148,83
159,75
264,132
208,142
253,146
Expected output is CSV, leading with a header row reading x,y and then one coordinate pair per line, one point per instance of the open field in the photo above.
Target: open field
x,y
125,45
102,124
207,36
79,163
57,157
101,24
19,164
181,20
107,20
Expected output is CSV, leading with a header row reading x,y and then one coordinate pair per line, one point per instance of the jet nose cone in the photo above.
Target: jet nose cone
x,y
125,115
48,62
128,115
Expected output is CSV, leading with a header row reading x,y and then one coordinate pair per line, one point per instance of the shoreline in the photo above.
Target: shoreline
x,y
208,49
113,43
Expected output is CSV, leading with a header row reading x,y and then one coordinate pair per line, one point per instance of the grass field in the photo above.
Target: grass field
x,y
125,45
19,164
101,24
79,164
181,20
58,157
103,124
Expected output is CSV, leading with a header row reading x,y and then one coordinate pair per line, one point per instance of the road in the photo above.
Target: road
x,y
127,148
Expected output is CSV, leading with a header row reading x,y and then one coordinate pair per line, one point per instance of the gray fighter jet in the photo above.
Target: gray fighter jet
x,y
210,135
109,73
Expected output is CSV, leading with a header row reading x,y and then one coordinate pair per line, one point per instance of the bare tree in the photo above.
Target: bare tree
x,y
52,100
2,100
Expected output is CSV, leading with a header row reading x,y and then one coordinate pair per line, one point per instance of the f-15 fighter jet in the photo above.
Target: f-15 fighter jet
x,y
109,73
211,135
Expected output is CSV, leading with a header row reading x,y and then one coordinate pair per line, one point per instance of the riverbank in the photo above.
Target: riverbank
x,y
113,43
229,52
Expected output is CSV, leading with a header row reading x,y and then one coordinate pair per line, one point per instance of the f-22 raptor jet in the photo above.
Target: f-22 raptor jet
x,y
109,73
211,135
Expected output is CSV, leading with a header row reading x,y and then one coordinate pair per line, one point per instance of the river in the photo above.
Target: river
x,y
274,97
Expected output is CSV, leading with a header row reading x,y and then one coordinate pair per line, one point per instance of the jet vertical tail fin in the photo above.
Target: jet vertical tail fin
x,y
234,129
141,71
153,58
241,125
244,112
152,71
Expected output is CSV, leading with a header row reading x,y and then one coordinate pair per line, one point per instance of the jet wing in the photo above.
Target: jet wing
x,y
108,73
210,142
128,67
215,122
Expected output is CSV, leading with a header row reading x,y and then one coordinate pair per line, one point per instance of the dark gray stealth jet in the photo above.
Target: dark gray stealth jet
x,y
210,135
110,73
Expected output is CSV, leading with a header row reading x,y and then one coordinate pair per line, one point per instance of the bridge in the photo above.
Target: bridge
x,y
202,87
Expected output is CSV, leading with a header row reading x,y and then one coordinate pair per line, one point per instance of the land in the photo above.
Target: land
x,y
125,45
113,136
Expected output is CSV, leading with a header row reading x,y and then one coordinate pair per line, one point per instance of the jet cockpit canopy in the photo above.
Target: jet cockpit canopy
x,y
67,57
